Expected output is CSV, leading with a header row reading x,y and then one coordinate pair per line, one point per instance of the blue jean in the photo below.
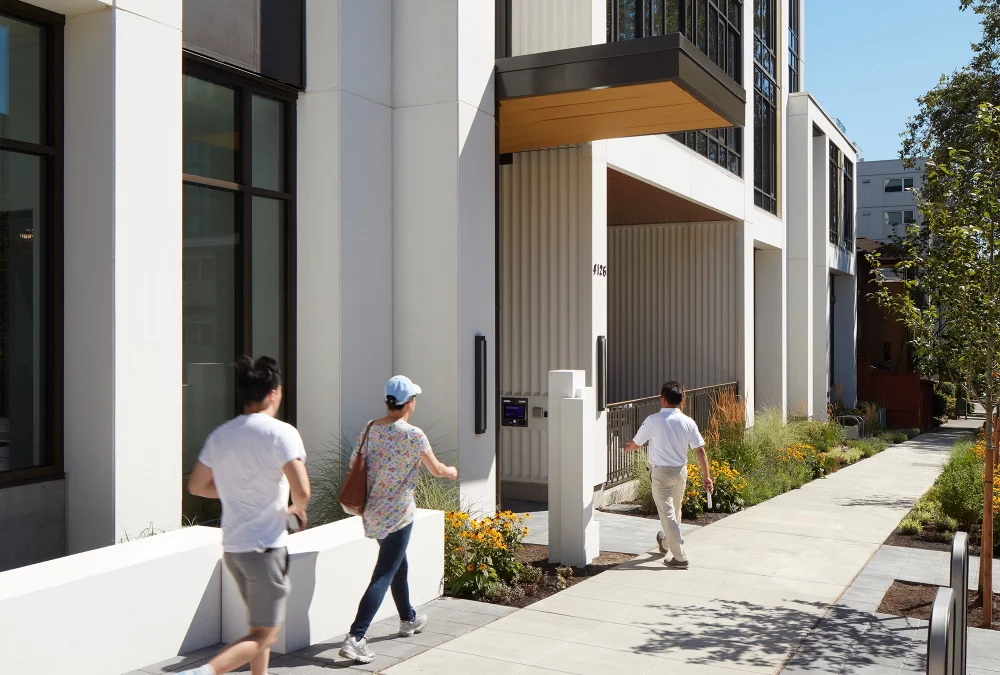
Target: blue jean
x,y
390,572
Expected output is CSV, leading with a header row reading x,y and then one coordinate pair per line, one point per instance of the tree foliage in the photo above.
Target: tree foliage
x,y
951,263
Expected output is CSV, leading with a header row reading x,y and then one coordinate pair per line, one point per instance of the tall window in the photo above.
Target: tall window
x,y
848,200
238,213
835,192
30,244
714,26
794,78
765,99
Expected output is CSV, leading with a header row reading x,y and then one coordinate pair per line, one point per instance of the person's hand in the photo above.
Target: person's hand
x,y
451,473
301,513
708,484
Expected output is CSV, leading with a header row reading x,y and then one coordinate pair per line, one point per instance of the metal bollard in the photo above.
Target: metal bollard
x,y
960,587
941,634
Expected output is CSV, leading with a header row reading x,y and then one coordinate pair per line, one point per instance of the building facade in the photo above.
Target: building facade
x,y
886,201
470,193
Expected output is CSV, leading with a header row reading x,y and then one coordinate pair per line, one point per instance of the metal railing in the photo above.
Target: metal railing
x,y
625,418
948,629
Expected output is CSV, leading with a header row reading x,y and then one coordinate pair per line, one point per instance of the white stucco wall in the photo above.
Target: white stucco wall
x,y
123,272
443,224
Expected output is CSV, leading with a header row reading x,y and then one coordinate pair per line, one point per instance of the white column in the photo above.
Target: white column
x,y
805,174
820,347
443,224
573,436
344,232
745,316
123,272
771,330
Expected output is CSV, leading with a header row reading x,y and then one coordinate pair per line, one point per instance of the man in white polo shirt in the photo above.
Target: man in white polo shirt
x,y
670,434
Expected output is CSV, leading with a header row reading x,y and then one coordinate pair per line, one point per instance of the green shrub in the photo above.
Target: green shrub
x,y
866,447
946,388
846,456
912,433
894,436
529,575
910,525
824,436
643,490
327,471
960,486
944,523
437,494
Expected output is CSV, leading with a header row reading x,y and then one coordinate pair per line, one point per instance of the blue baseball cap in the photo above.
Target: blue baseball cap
x,y
401,388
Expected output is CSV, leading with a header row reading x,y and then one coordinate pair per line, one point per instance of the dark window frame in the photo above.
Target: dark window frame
x,y
847,199
794,55
658,17
766,94
52,152
246,86
835,210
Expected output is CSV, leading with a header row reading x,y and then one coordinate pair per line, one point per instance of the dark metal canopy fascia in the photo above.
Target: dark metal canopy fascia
x,y
666,58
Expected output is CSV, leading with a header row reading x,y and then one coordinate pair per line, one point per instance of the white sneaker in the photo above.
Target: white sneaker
x,y
357,650
408,628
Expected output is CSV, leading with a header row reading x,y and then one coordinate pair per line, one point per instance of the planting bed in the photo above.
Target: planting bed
x,y
913,600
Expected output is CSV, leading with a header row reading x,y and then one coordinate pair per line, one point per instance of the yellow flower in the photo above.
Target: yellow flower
x,y
527,516
482,567
470,568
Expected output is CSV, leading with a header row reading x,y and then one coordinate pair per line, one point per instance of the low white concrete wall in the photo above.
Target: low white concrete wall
x,y
121,608
330,567
114,609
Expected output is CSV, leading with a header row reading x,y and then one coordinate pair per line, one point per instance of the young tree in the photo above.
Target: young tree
x,y
950,263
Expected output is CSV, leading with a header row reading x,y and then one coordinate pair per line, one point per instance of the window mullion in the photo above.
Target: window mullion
x,y
246,221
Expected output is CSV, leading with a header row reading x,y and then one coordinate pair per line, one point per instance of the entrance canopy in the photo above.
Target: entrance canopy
x,y
631,88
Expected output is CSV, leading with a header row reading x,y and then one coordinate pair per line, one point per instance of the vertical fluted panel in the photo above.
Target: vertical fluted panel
x,y
672,307
540,248
547,25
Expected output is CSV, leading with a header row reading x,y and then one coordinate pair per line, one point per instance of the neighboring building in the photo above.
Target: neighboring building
x,y
886,202
886,205
369,187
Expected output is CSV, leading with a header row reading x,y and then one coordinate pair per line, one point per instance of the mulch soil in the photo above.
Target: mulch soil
x,y
550,582
905,598
927,540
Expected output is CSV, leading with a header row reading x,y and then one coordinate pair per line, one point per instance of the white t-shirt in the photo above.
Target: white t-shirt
x,y
671,434
246,456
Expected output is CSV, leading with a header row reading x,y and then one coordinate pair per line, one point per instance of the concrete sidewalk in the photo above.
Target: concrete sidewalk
x,y
854,639
760,582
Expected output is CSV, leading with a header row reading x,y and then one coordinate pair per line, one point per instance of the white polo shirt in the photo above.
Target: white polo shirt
x,y
671,434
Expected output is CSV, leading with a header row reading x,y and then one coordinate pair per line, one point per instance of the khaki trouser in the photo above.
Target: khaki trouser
x,y
668,493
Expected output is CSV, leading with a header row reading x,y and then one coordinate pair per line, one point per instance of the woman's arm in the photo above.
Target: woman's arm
x,y
436,467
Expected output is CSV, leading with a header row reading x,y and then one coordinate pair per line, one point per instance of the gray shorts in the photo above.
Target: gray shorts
x,y
263,582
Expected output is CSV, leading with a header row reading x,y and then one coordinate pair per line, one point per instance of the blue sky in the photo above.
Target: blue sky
x,y
867,61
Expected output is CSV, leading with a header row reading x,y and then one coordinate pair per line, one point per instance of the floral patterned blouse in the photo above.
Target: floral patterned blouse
x,y
392,454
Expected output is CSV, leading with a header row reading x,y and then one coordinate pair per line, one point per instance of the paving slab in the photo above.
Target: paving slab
x,y
763,591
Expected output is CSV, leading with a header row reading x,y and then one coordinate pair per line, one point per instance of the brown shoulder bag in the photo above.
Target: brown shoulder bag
x,y
354,494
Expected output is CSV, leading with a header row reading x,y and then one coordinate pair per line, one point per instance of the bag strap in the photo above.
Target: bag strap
x,y
364,439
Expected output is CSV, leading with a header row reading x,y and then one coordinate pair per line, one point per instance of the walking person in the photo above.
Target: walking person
x,y
393,450
251,463
670,434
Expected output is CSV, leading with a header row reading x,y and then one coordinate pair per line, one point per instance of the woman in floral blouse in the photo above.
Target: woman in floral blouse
x,y
393,451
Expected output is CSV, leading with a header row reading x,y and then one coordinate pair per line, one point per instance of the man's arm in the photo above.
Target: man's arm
x,y
298,481
631,446
703,461
202,482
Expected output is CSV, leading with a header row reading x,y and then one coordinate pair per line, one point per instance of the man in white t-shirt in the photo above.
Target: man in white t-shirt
x,y
252,463
670,434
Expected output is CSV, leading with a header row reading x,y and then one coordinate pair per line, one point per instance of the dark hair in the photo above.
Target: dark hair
x,y
392,404
672,392
256,379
